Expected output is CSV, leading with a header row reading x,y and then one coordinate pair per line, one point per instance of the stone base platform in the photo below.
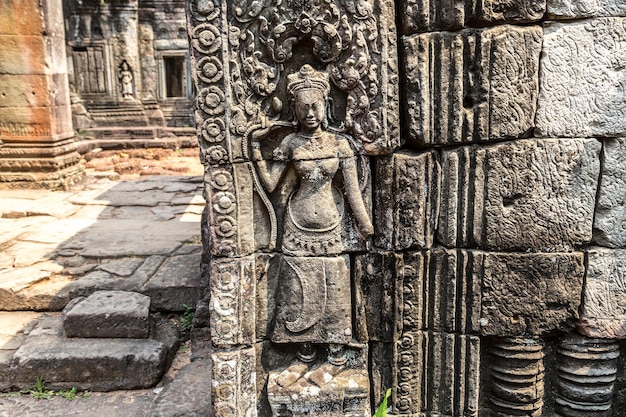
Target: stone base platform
x,y
40,349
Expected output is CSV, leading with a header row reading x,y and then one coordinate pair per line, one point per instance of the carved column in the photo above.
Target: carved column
x,y
587,373
517,373
36,133
293,97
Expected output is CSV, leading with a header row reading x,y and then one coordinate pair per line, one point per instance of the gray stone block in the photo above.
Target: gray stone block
x,y
530,293
609,226
430,15
475,85
406,206
536,195
581,88
93,364
188,395
603,313
108,314
179,281
571,9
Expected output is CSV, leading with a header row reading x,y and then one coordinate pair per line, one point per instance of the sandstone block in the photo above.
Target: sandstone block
x,y
429,379
430,15
238,101
430,290
232,282
471,86
22,17
441,291
526,195
108,314
22,55
234,383
378,281
572,9
178,282
187,395
581,79
604,299
24,90
530,293
93,364
610,219
407,200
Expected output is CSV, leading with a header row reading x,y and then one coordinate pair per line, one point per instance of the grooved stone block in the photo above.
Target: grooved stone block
x,y
108,314
406,200
431,369
530,294
534,195
429,15
610,220
581,90
568,9
604,300
475,85
234,383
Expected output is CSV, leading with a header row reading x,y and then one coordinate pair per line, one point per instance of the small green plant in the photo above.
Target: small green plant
x,y
68,395
381,411
186,321
39,392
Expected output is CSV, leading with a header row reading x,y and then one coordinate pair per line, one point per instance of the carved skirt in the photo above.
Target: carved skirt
x,y
314,302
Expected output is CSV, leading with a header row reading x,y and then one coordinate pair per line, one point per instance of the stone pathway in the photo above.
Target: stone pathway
x,y
136,235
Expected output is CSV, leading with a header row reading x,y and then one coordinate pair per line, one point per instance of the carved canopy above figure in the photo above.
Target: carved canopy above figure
x,y
244,49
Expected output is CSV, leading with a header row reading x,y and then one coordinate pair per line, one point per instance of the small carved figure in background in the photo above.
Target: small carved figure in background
x,y
126,79
314,300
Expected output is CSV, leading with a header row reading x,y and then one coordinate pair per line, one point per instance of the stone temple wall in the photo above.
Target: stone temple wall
x,y
128,68
427,196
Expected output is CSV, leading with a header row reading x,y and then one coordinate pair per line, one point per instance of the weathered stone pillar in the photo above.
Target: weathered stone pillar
x,y
36,145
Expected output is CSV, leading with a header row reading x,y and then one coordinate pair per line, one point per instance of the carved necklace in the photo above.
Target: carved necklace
x,y
315,142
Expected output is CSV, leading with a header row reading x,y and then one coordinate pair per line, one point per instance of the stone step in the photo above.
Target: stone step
x,y
94,364
108,314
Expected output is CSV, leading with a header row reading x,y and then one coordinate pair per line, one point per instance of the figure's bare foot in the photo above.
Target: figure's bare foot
x,y
337,354
307,353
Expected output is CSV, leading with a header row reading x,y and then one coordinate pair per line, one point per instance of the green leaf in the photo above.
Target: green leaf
x,y
381,411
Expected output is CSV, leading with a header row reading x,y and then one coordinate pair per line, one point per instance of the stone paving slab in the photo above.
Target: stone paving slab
x,y
113,404
178,282
188,395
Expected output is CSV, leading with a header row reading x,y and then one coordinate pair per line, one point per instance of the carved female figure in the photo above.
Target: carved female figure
x,y
314,301
126,79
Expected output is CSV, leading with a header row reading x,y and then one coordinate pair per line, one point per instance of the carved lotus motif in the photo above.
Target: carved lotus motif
x,y
211,101
206,38
210,69
213,130
217,155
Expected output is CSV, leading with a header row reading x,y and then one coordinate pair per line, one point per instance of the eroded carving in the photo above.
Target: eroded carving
x,y
582,79
314,301
529,194
473,85
604,299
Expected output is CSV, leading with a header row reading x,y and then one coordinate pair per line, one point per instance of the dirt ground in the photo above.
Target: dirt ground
x,y
133,163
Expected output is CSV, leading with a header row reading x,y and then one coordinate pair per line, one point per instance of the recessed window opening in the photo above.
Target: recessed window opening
x,y
174,76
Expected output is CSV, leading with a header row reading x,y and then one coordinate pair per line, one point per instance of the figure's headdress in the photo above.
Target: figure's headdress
x,y
308,78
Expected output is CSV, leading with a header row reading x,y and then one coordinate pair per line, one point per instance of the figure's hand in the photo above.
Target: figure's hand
x,y
256,151
367,229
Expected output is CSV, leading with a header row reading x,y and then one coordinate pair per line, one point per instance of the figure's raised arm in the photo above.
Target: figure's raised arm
x,y
271,172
